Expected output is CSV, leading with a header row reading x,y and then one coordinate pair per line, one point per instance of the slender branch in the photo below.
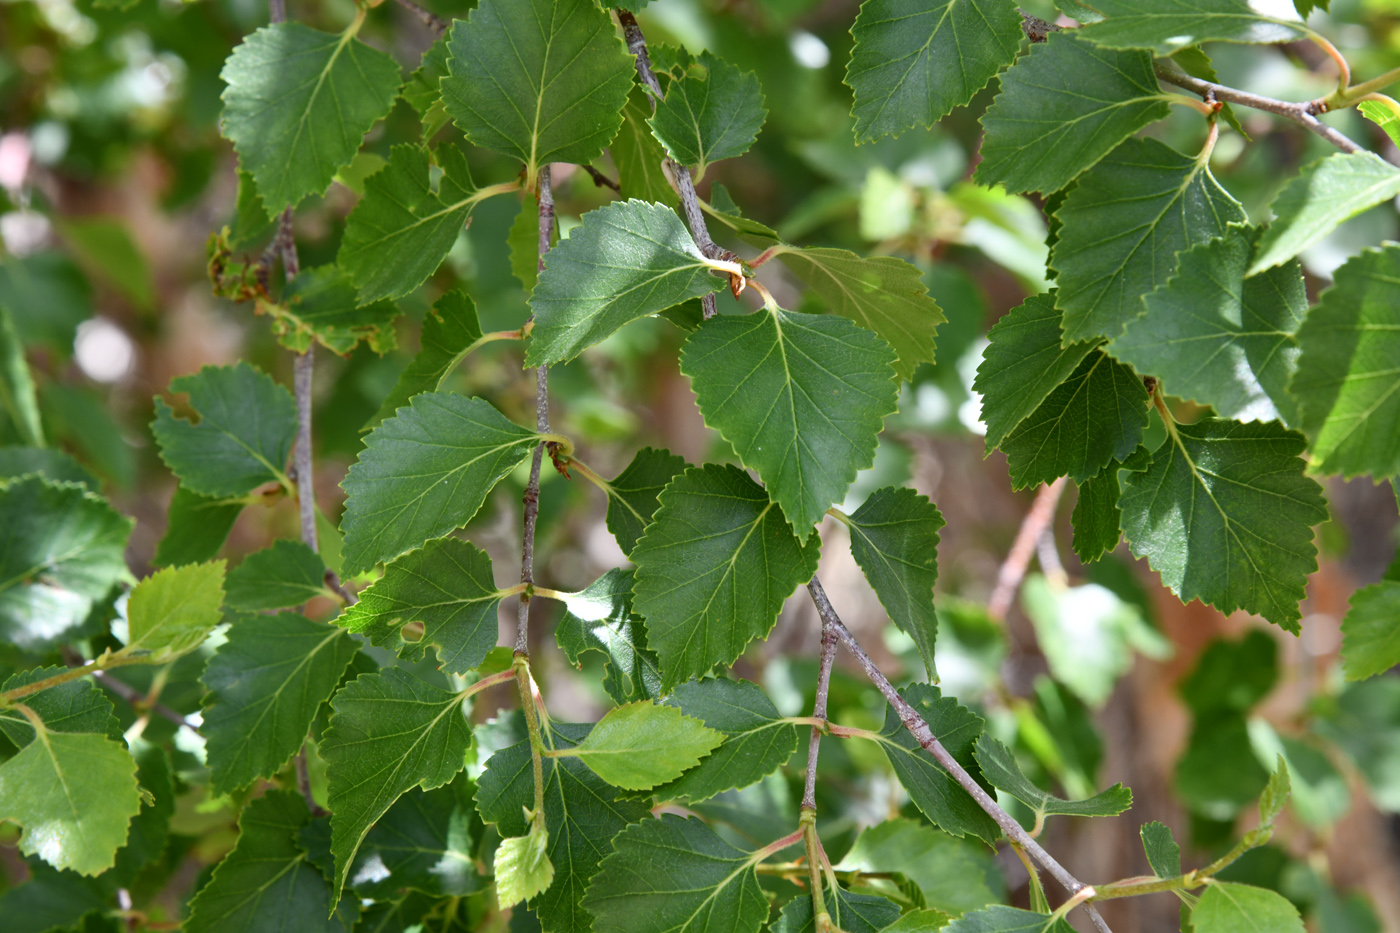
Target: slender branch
x,y
809,793
1359,91
601,180
525,683
133,697
430,19
1013,569
305,366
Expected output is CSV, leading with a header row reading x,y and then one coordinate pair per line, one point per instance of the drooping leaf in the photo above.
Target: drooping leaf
x,y
1212,336
1002,919
390,732
523,868
852,913
999,766
626,260
266,684
424,472
196,527
801,397
1371,631
298,104
674,875
713,570
423,842
77,706
632,497
757,741
600,618
714,112
1141,24
284,575
64,551
447,589
880,293
320,306
17,397
1063,107
638,156
1120,226
541,80
1227,907
1163,854
173,610
243,436
53,465
1347,382
945,868
913,62
641,745
894,539
450,331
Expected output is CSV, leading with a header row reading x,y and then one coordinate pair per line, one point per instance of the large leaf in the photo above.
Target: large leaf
x,y
632,496
801,397
600,618
64,550
243,436
1371,631
284,575
1214,337
424,472
948,871
266,683
17,397
446,589
757,740
1062,108
1121,228
1347,383
424,842
541,80
1225,515
713,570
674,875
641,745
298,104
1167,27
450,331
999,766
851,913
1226,907
914,61
626,260
881,293
173,610
390,732
714,112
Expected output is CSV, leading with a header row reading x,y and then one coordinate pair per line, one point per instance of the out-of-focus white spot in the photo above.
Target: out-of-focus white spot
x,y
810,51
49,141
373,870
24,232
103,350
14,161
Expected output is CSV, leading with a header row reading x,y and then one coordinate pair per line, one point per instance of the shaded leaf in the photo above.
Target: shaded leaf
x,y
53,465
424,843
600,618
450,331
638,156
1163,854
77,706
17,397
1097,520
422,91
852,913
319,305
1001,919
278,577
946,869
196,527
757,740
632,496
999,766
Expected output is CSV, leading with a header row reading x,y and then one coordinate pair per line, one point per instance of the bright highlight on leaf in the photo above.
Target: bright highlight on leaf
x,y
173,610
600,618
714,112
1165,28
641,745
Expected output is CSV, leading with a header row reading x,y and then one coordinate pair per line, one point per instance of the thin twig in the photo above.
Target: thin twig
x,y
133,697
809,793
430,19
601,180
1013,569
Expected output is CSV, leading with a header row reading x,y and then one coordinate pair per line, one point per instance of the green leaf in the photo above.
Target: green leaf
x,y
422,92
1371,631
947,872
64,550
1226,907
641,745
674,875
390,732
298,104
1163,854
250,221
1063,107
523,868
999,766
1142,203
279,577
713,570
1163,28
53,465
173,610
404,226
447,589
1346,383
196,527
880,293
450,331
47,297
74,794
1380,114
1225,515
541,80
17,397
266,883
524,242
1097,520
626,260
932,789
77,706
425,472
922,920
714,112
1323,195
50,900
424,843
243,436
1218,775
638,156
600,618
757,740
1275,795
266,683
632,496
1231,676
319,306
801,397
1001,919
852,913
1216,338
914,61
103,245
894,539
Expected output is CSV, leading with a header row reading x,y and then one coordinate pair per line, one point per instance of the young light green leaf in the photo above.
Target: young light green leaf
x,y
448,590
390,732
1214,337
880,293
523,868
1382,115
17,397
267,883
714,112
1142,203
422,92
641,745
243,436
999,766
1227,907
424,843
1347,383
53,465
173,610
914,61
894,539
450,331
851,913
626,260
1275,795
674,875
1163,854
320,306
74,793
196,527
64,551
425,472
713,570
1323,195
1371,631
638,156
279,577
1063,107
1225,515
801,397
1163,28
757,740
541,80
632,497
266,684
947,870
298,104
1002,919
919,920
77,706
600,618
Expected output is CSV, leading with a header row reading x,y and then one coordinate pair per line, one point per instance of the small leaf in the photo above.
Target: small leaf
x,y
17,397
1001,919
173,610
1371,631
757,740
714,112
641,745
851,913
196,527
320,306
1382,115
279,577
450,331
600,618
1226,907
923,920
999,766
523,868
632,497
1163,854
638,156
1142,24
422,92
952,874
1275,795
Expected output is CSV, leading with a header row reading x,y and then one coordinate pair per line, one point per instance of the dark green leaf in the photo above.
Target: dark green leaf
x,y
1231,676
47,296
1142,24
424,843
714,112
1097,519
450,331
422,91
1163,854
600,618
53,465
638,156
852,913
1371,631
1230,908
757,739
1000,919
947,870
279,577
632,497
50,900
1218,775
999,766
196,527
